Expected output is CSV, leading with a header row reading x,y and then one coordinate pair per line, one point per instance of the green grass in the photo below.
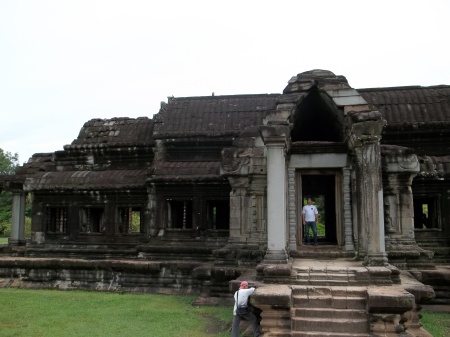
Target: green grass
x,y
3,240
80,313
436,323
51,313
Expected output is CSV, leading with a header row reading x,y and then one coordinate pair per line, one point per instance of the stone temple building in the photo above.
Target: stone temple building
x,y
210,190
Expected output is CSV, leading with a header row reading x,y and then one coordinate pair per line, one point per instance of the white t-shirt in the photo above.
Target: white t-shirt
x,y
310,212
243,297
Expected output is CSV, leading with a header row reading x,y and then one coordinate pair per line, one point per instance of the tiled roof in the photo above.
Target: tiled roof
x,y
212,115
116,131
86,180
181,171
186,168
409,105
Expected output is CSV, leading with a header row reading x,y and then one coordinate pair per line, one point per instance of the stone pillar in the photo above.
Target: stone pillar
x,y
348,230
399,211
18,219
238,227
275,141
364,134
292,215
400,167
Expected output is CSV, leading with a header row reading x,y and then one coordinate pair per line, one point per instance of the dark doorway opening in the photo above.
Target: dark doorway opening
x,y
321,189
425,212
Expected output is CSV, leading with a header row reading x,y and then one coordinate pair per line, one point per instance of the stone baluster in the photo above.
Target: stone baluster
x,y
18,219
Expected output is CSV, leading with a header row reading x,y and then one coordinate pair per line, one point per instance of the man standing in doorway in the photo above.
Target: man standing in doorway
x,y
310,216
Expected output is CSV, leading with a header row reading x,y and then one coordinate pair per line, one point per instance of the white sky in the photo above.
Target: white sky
x,y
65,62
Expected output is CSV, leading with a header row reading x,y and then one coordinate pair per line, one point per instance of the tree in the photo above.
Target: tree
x,y
8,164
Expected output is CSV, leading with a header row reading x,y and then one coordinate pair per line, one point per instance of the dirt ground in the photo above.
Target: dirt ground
x,y
215,326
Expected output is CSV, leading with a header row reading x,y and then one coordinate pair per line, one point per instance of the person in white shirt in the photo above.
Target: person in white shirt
x,y
241,301
310,216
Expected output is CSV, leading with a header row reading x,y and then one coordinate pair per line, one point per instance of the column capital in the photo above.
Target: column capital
x,y
364,127
275,135
398,159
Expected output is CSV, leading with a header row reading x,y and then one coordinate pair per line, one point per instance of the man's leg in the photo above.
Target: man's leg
x,y
253,321
314,229
235,326
308,224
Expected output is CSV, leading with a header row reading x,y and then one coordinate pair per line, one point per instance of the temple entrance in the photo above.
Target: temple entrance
x,y
321,188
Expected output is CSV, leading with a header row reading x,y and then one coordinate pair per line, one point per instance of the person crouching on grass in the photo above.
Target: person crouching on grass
x,y
243,310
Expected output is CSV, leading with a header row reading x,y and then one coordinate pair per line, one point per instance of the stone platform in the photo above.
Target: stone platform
x,y
307,297
341,297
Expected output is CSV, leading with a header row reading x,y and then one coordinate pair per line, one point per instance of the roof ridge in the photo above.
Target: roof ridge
x,y
225,96
408,87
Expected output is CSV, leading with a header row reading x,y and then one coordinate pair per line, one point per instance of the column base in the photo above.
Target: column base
x,y
38,237
16,242
375,259
276,256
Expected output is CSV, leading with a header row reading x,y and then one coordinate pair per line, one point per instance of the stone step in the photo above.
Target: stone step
x,y
320,302
327,276
326,334
341,292
321,251
327,324
342,276
329,313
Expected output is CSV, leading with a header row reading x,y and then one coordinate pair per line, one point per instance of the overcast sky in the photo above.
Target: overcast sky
x,y
65,62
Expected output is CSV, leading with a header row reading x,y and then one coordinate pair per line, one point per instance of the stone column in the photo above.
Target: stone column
x,y
400,167
275,141
18,219
238,226
348,230
364,132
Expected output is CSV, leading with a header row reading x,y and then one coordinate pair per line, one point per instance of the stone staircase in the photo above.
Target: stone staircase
x,y
337,298
341,272
335,311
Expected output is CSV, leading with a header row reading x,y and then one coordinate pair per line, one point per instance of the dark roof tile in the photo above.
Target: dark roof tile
x,y
409,105
212,115
116,131
187,168
87,180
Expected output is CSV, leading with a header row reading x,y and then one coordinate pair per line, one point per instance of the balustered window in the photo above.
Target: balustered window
x,y
91,220
218,214
179,214
56,219
129,219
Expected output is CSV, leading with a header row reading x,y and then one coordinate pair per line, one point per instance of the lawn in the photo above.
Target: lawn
x,y
3,240
436,323
80,313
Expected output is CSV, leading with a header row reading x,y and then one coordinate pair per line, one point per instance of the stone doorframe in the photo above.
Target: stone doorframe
x,y
339,164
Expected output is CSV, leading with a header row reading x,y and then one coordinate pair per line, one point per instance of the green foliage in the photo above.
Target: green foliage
x,y
8,165
320,229
80,313
136,222
5,212
8,162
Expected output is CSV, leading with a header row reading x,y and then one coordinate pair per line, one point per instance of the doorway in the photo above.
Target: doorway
x,y
321,188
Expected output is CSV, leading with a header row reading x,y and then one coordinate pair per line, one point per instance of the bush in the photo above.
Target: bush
x,y
5,228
